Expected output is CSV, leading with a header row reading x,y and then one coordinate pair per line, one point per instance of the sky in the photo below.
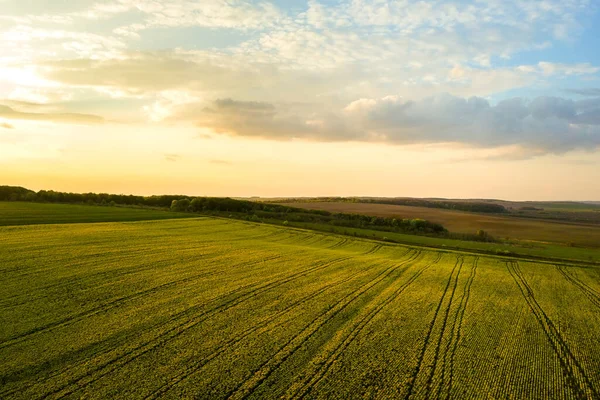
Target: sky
x,y
458,99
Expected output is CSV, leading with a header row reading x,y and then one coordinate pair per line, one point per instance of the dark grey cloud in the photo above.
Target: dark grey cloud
x,y
549,123
544,124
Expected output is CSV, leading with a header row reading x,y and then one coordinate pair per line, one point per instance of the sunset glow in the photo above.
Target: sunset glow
x,y
495,99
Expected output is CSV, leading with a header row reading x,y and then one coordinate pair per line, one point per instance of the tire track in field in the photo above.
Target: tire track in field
x,y
247,386
428,336
315,240
76,259
574,373
263,326
303,238
586,289
53,375
107,367
456,334
439,345
117,302
374,249
267,235
81,260
324,367
101,275
280,236
341,243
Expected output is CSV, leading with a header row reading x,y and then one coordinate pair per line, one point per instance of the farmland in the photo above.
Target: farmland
x,y
217,308
21,213
586,235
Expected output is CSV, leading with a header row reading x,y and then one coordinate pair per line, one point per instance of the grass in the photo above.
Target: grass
x,y
463,222
217,308
18,213
537,250
21,213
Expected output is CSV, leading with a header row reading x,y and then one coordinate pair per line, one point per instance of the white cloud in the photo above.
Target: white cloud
x,y
324,57
233,14
548,68
167,102
24,41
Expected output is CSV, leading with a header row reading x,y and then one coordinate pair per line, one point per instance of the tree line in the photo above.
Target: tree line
x,y
241,209
16,193
266,211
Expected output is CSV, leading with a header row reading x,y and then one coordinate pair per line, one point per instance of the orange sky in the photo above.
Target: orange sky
x,y
495,99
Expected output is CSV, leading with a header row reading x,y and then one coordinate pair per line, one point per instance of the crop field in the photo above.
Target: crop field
x,y
215,308
586,235
21,213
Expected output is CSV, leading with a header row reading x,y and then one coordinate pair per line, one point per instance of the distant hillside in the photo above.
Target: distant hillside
x,y
468,205
13,193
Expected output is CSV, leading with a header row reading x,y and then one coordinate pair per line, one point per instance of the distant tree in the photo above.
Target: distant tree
x,y
180,205
484,236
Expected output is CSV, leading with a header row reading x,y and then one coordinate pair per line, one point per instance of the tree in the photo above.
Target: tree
x,y
180,205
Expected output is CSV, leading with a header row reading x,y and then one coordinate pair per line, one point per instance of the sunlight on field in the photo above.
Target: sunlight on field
x,y
213,308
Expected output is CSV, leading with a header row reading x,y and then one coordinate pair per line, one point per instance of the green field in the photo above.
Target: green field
x,y
21,213
216,308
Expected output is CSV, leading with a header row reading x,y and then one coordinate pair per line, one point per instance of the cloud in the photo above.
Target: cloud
x,y
586,91
136,73
220,162
541,125
172,157
69,118
547,123
266,120
252,118
6,125
237,14
196,75
24,40
499,154
326,54
548,68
